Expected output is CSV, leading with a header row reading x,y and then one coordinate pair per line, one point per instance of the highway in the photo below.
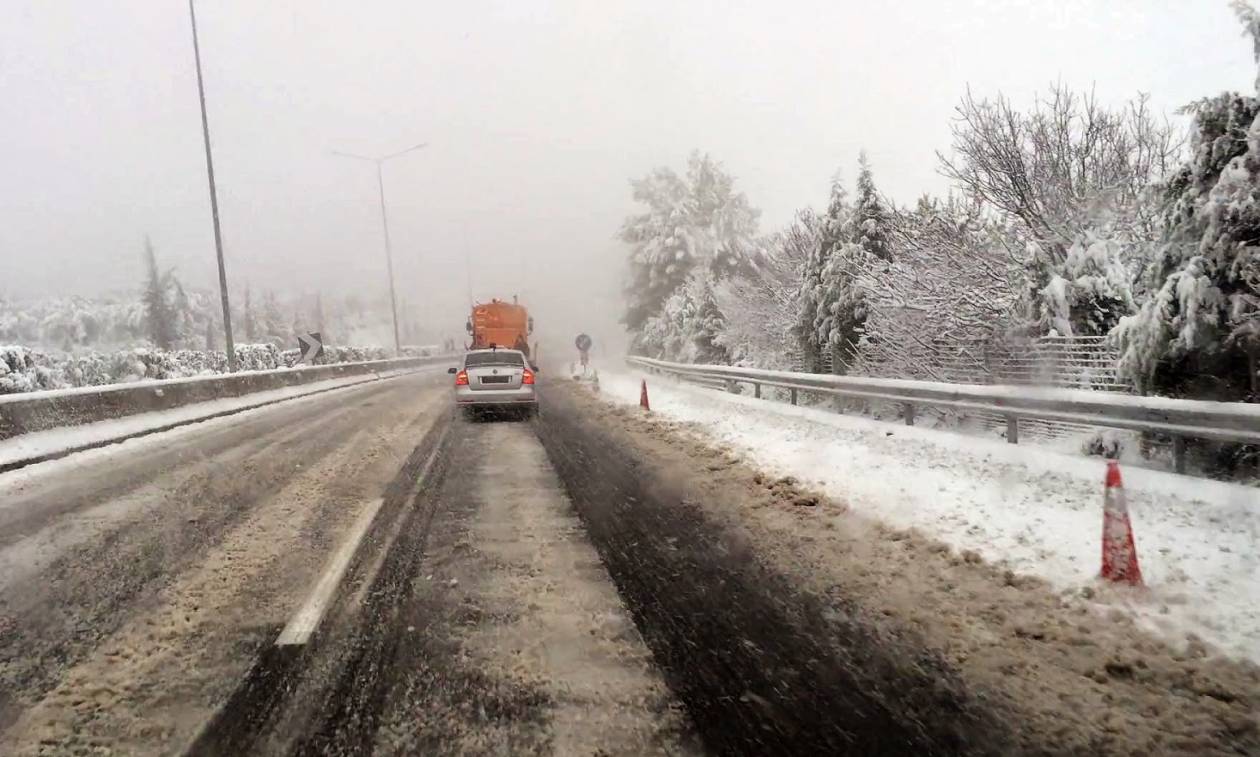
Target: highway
x,y
465,606
364,571
144,582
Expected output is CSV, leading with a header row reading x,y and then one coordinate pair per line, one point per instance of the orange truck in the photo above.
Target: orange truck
x,y
500,324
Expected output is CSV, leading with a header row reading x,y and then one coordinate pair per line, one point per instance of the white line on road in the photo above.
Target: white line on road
x,y
302,625
307,619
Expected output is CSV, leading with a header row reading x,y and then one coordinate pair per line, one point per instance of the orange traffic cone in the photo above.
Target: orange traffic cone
x,y
643,400
1119,553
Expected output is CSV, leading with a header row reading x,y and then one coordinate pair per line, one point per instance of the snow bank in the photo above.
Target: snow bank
x,y
1037,511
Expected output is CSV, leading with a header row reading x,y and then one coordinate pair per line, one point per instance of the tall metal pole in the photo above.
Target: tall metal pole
x,y
389,257
214,199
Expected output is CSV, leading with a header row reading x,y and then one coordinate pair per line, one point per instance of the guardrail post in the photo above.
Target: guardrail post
x,y
1012,429
907,409
729,385
756,390
793,395
1179,454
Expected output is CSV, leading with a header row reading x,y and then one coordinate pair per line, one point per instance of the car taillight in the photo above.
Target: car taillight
x,y
527,377
461,378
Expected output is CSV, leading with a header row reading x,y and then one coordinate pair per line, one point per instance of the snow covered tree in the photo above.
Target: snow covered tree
x,y
696,220
1069,172
689,324
870,216
842,308
158,311
706,322
827,234
933,312
763,307
855,235
1198,333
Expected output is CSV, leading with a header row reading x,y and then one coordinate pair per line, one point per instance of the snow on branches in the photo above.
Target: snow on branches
x,y
694,221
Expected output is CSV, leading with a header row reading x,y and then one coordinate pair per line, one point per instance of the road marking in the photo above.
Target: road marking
x,y
421,479
303,624
307,619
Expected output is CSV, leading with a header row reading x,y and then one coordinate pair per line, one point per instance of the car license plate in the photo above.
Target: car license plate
x,y
494,379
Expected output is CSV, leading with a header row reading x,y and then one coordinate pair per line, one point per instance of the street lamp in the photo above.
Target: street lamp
x,y
389,256
214,199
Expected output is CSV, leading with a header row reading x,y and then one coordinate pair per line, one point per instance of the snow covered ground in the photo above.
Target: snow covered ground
x,y
59,440
1035,510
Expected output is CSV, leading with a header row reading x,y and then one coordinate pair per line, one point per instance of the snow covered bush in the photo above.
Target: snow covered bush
x,y
1090,293
20,371
26,370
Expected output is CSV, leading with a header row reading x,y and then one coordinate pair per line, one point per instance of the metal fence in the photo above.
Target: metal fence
x,y
1077,362
1179,419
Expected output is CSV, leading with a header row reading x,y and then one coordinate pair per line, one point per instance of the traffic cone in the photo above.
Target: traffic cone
x,y
1119,553
643,400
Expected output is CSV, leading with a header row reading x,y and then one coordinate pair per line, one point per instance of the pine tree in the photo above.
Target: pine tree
x,y
871,225
840,306
157,306
705,322
810,330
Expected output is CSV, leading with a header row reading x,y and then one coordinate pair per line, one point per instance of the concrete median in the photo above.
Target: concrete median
x,y
40,411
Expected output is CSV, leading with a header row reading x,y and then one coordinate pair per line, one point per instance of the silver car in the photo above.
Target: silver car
x,y
495,379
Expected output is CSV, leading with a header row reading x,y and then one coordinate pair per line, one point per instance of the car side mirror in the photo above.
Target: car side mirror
x,y
452,370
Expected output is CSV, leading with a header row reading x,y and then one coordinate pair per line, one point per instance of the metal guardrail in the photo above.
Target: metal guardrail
x,y
1180,419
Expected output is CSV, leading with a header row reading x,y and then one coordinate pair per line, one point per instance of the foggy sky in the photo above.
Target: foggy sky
x,y
536,114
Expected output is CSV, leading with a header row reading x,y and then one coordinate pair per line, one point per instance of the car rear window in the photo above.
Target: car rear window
x,y
473,359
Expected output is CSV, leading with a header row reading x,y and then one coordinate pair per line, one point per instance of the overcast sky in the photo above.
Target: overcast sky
x,y
536,114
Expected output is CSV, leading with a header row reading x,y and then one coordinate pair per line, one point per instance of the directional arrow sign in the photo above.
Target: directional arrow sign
x,y
583,342
311,346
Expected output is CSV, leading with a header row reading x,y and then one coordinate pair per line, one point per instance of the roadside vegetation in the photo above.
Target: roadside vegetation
x,y
1071,219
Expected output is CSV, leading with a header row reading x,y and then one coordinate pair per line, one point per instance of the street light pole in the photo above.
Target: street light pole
x,y
214,199
389,255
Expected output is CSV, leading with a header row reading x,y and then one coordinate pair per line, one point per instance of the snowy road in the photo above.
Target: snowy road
x,y
592,581
134,579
